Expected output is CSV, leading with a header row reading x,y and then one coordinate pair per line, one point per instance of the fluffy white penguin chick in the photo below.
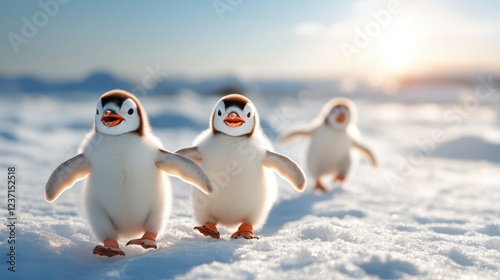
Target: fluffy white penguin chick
x,y
125,191
332,140
238,157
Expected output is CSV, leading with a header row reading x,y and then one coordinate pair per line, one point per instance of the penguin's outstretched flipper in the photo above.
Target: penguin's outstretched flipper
x,y
366,152
65,175
191,152
286,168
298,133
185,169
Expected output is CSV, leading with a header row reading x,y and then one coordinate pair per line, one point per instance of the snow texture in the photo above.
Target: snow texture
x,y
430,211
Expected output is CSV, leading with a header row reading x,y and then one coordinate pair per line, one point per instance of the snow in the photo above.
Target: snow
x,y
430,211
469,148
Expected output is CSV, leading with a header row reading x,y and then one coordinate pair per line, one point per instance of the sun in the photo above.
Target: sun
x,y
398,48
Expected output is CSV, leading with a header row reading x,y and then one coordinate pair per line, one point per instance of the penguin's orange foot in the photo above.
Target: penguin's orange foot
x,y
339,178
245,231
209,229
109,249
147,241
319,187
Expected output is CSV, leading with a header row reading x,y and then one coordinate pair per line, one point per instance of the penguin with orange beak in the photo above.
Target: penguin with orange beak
x,y
124,165
333,136
240,160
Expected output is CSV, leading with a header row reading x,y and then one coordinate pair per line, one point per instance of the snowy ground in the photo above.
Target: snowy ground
x,y
415,217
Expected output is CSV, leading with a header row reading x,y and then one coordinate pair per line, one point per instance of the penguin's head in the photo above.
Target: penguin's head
x,y
234,115
119,112
339,113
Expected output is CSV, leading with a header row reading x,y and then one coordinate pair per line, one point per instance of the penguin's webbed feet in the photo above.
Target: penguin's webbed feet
x,y
109,249
339,178
245,231
145,243
319,187
148,241
209,229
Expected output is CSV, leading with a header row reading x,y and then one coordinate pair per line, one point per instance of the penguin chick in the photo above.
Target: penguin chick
x,y
238,157
125,191
332,142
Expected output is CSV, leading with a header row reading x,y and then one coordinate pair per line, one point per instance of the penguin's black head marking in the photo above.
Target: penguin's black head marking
x,y
115,97
236,100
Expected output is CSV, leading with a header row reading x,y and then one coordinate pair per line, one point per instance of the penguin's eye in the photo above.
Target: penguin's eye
x,y
97,111
219,113
130,111
248,115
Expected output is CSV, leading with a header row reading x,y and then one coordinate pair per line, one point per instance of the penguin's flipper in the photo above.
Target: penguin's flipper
x,y
191,152
66,175
366,152
185,169
295,134
286,168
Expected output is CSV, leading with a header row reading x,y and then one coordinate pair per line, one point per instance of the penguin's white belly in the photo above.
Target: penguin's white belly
x,y
125,183
243,196
327,151
243,190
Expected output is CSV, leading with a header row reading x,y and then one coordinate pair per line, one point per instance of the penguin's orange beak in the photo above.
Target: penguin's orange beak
x,y
110,118
233,120
341,118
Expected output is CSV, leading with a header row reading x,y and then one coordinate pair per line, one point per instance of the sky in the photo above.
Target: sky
x,y
253,39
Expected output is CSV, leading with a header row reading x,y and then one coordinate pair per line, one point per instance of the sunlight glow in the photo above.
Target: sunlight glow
x,y
398,48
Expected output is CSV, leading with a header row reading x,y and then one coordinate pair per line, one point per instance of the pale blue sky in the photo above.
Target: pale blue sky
x,y
256,39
